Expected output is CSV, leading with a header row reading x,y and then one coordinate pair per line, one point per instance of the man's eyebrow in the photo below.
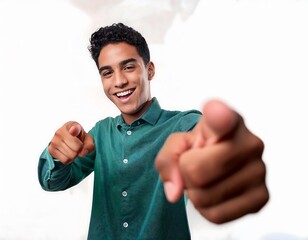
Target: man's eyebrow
x,y
122,63
103,68
128,61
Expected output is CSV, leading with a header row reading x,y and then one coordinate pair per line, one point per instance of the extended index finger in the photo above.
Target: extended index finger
x,y
217,122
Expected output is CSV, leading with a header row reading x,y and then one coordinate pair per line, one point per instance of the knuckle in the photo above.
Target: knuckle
x,y
257,145
200,203
261,170
214,215
256,170
262,198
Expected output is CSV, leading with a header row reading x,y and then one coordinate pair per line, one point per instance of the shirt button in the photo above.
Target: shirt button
x,y
129,132
125,224
125,161
124,193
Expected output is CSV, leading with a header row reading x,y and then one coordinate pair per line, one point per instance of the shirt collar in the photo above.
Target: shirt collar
x,y
150,116
153,112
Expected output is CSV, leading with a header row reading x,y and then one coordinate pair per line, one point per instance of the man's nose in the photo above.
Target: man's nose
x,y
120,79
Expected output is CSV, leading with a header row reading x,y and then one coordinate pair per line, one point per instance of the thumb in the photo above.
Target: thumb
x,y
217,122
88,145
173,186
167,164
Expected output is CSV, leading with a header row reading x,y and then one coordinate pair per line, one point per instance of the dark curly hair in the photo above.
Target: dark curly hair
x,y
116,33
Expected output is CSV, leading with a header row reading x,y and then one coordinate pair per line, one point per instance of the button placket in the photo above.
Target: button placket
x,y
124,193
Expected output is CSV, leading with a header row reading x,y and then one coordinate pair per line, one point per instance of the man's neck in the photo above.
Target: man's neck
x,y
130,118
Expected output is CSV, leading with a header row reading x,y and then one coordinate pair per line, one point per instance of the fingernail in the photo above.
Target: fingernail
x,y
170,191
83,153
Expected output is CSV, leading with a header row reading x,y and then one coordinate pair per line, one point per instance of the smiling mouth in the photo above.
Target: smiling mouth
x,y
124,93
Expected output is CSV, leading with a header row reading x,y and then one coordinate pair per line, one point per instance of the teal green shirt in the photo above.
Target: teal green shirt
x,y
128,196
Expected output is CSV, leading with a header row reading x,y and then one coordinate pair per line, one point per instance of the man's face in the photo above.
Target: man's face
x,y
125,79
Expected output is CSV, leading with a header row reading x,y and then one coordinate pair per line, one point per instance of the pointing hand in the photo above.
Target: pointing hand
x,y
70,141
219,166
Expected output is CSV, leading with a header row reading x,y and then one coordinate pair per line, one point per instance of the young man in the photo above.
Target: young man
x,y
145,158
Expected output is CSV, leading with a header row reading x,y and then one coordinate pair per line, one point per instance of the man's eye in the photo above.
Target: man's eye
x,y
129,67
106,73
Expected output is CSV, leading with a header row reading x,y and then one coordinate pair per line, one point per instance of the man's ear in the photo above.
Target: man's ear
x,y
151,70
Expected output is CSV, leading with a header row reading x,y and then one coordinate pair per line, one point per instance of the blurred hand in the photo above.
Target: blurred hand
x,y
69,142
219,166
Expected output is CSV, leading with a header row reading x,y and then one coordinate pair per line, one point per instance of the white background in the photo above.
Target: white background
x,y
251,54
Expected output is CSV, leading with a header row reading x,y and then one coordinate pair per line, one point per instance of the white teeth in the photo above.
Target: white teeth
x,y
121,94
